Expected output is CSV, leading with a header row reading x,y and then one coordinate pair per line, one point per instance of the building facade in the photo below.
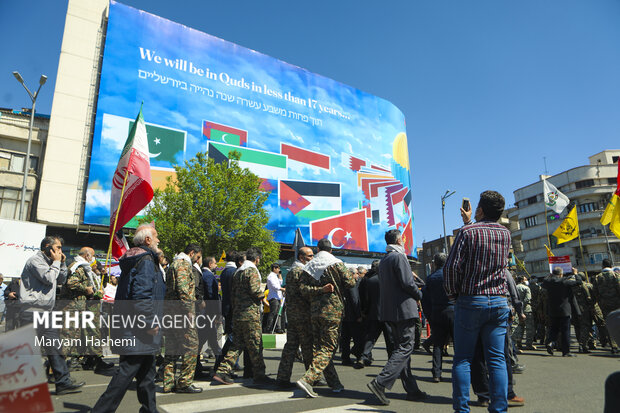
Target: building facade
x,y
589,188
14,127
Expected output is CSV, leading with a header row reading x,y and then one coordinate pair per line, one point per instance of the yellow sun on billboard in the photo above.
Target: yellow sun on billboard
x,y
400,151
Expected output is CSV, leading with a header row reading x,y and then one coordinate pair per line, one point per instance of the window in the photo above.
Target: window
x,y
614,159
533,244
10,202
530,221
531,200
14,162
612,181
598,258
584,184
588,207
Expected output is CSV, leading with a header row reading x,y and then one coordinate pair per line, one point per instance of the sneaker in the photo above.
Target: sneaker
x,y
516,401
518,369
436,379
339,388
550,348
222,378
305,386
379,391
188,389
73,387
569,355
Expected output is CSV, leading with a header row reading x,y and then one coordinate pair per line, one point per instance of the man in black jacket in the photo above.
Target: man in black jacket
x,y
351,325
559,294
370,297
140,293
400,289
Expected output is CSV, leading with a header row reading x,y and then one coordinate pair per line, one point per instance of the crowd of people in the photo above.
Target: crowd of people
x,y
470,299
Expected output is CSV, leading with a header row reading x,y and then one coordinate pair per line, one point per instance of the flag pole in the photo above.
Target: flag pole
x,y
547,227
582,258
118,210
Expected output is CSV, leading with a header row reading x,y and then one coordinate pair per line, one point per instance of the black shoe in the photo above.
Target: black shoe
x,y
416,397
367,362
103,367
188,389
358,365
69,388
264,380
285,384
483,402
584,350
549,348
347,362
222,378
379,391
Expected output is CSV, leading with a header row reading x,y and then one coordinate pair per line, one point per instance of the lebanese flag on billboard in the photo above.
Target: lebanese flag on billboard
x,y
348,231
134,172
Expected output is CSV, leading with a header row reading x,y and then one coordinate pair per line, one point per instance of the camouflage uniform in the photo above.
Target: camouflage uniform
x,y
527,326
246,296
180,286
606,291
590,312
298,314
326,315
74,291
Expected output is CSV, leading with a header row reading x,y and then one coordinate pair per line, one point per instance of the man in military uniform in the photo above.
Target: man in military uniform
x,y
326,311
246,297
297,333
181,290
606,291
535,303
524,327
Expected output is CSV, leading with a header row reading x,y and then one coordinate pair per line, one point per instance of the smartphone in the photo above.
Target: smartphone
x,y
48,251
466,204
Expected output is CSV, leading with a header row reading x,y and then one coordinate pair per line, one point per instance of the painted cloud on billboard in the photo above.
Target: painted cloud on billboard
x,y
334,159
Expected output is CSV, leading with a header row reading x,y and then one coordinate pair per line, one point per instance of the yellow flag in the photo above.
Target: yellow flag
x,y
569,228
549,252
609,210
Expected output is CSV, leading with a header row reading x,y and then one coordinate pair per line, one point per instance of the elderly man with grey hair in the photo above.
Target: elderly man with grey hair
x,y
140,293
558,294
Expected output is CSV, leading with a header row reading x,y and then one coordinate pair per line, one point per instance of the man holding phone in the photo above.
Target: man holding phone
x,y
37,293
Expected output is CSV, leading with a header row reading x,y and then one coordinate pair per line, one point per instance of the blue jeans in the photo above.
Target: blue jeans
x,y
487,317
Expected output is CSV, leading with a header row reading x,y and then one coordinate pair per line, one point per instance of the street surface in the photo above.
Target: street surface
x,y
549,384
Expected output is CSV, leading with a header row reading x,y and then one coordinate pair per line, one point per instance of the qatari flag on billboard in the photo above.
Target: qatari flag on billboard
x,y
131,183
346,231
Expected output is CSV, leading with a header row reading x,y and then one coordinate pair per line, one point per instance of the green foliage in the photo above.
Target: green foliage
x,y
219,206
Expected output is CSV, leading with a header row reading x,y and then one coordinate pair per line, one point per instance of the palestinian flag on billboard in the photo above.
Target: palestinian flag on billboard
x,y
218,132
348,231
267,165
310,200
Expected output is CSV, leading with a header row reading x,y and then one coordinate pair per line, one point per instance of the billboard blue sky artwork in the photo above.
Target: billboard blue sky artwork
x,y
334,158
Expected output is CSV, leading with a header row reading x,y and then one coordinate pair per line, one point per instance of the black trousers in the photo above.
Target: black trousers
x,y
480,374
141,367
373,329
351,330
612,393
561,326
54,354
443,329
274,307
399,364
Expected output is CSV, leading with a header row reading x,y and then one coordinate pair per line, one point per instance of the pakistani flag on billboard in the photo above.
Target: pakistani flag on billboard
x,y
164,143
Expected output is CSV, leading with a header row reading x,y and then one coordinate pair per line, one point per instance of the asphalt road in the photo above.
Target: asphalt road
x,y
549,384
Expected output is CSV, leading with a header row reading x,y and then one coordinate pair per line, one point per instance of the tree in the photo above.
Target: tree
x,y
217,205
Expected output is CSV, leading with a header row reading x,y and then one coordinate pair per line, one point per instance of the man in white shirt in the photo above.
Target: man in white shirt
x,y
274,285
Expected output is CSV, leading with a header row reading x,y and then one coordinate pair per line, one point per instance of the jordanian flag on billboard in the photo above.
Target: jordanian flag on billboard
x,y
310,200
131,182
267,165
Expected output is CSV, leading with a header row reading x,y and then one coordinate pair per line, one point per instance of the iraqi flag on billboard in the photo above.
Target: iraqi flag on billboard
x,y
131,183
348,231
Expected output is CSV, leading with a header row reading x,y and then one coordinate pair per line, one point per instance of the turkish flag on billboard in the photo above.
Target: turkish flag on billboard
x,y
348,231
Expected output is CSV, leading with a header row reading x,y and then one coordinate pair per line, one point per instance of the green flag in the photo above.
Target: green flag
x,y
164,143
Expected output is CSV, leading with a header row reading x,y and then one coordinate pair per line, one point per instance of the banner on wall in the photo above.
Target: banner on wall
x,y
330,156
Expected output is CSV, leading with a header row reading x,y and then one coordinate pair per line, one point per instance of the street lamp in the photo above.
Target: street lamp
x,y
42,81
445,196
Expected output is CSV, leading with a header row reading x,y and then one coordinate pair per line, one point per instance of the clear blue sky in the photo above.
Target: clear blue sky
x,y
488,88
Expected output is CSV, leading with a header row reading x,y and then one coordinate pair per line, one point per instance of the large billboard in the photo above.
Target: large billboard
x,y
333,158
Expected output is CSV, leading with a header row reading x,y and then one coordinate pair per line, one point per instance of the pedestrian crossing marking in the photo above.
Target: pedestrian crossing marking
x,y
220,403
347,408
207,385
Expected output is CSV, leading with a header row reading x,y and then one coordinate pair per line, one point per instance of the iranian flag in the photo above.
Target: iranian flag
x,y
131,183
